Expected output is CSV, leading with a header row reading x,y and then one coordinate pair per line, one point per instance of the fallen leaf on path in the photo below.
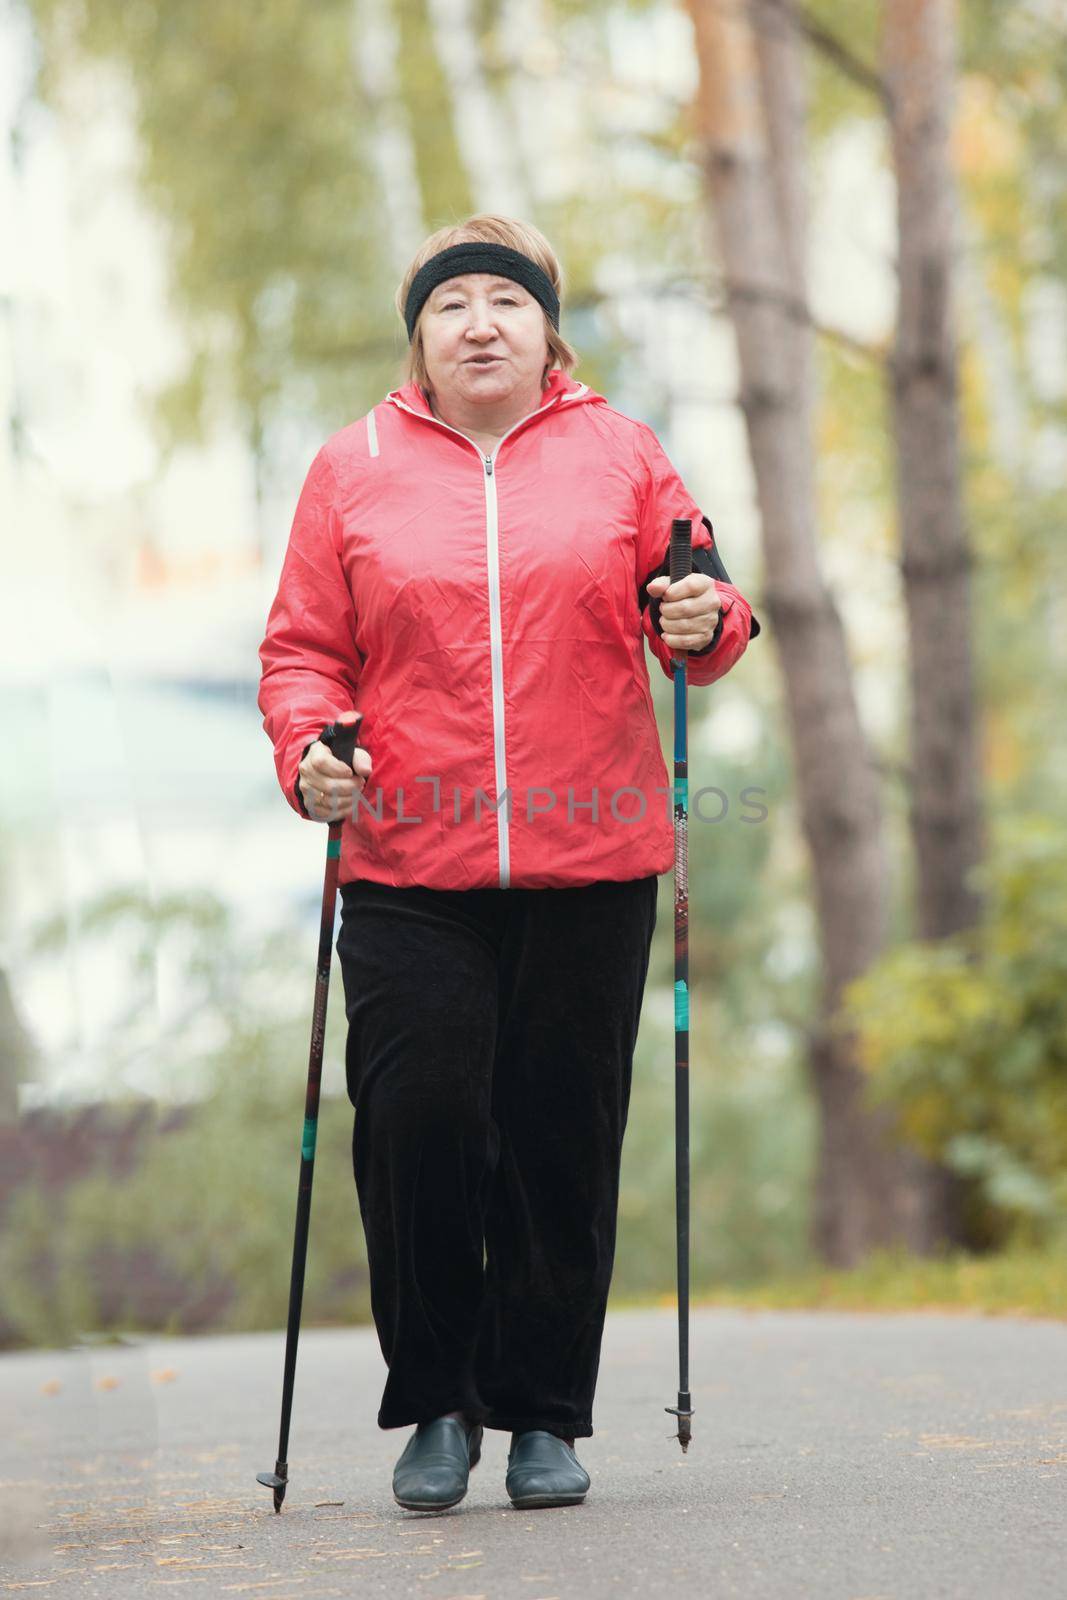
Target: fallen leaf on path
x,y
950,1441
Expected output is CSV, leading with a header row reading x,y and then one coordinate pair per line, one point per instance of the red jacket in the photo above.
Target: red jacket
x,y
487,614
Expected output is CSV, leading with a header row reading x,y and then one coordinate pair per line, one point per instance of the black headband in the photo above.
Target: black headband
x,y
478,256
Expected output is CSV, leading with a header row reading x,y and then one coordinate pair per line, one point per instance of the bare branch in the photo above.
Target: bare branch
x,y
828,44
711,292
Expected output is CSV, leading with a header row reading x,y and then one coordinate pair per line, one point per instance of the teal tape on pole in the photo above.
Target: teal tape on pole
x,y
681,1006
681,792
333,850
307,1146
679,715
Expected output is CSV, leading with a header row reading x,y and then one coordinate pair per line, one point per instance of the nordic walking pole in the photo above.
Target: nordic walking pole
x,y
341,737
681,565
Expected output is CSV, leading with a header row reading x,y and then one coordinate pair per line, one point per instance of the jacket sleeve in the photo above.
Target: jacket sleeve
x,y
662,497
310,662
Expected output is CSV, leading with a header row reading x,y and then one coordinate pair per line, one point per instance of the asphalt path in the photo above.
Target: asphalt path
x,y
835,1455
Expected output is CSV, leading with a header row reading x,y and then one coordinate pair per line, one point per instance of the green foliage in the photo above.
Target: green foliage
x,y
1020,581
255,154
201,993
1022,50
967,1038
442,178
1018,1281
751,1139
752,974
198,1234
258,154
843,61
854,459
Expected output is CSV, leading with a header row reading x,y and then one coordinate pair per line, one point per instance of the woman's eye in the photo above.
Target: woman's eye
x,y
505,300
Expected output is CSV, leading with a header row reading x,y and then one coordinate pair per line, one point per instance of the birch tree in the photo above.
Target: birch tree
x,y
749,113
936,561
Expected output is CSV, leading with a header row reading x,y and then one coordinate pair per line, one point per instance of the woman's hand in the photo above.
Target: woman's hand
x,y
691,615
329,787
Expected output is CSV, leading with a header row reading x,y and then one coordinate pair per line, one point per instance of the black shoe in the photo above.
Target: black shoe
x,y
543,1470
431,1475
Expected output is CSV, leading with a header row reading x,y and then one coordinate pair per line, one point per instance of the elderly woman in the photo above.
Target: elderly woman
x,y
474,566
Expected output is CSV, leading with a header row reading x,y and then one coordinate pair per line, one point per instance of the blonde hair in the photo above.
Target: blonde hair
x,y
487,226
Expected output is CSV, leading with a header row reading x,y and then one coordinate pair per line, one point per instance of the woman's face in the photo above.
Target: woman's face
x,y
479,315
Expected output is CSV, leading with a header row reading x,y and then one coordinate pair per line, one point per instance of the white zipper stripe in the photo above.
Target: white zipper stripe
x,y
496,641
496,657
372,431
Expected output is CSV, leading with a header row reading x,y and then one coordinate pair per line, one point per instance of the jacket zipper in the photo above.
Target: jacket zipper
x,y
496,644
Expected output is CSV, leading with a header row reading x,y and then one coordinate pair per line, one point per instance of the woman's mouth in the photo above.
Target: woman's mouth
x,y
481,361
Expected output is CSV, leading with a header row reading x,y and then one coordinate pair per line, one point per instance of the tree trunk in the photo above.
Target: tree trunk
x,y
946,810
376,48
19,1053
869,1190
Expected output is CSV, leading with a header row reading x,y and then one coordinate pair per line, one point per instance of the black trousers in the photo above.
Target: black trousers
x,y
490,1047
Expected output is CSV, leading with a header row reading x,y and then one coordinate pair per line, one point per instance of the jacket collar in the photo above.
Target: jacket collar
x,y
559,383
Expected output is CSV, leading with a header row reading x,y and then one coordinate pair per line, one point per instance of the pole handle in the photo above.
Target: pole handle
x,y
342,735
681,550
